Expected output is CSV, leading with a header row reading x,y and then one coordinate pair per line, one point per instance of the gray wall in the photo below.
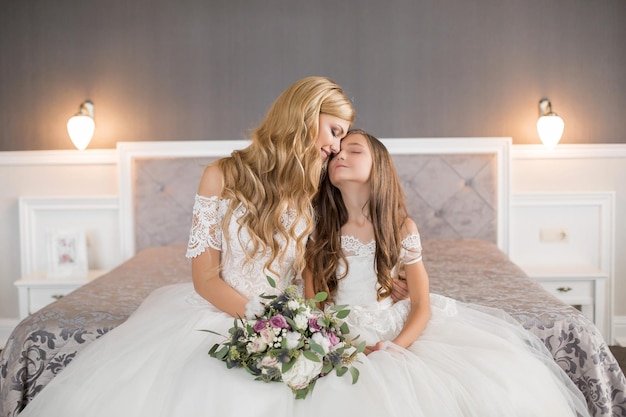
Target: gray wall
x,y
209,69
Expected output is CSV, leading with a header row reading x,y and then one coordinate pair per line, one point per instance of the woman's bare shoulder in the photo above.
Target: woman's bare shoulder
x,y
211,182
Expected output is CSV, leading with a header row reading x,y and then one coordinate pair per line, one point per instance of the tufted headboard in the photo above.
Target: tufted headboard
x,y
455,187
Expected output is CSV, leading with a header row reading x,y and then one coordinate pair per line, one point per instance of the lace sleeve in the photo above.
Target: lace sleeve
x,y
206,225
411,249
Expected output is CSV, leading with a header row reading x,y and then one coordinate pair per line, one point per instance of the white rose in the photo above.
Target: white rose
x,y
322,341
293,338
257,345
269,362
267,334
301,373
293,304
301,320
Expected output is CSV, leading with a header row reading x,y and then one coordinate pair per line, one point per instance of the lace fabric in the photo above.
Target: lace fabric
x,y
246,274
357,288
352,246
411,248
206,230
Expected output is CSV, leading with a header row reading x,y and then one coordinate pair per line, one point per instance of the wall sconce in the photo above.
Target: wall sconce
x,y
549,126
81,126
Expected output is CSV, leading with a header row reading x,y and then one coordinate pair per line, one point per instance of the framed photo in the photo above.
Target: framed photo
x,y
67,253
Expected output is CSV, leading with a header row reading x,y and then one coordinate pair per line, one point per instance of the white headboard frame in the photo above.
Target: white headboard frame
x,y
129,152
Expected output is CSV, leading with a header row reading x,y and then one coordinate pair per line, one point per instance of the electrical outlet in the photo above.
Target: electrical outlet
x,y
554,235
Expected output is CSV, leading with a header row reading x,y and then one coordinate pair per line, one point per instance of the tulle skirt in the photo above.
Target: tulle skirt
x,y
469,361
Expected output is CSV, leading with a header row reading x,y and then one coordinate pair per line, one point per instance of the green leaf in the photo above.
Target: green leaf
x,y
361,347
316,347
213,349
341,371
211,331
301,393
221,354
321,296
355,374
344,328
328,366
311,356
287,366
291,322
343,314
271,281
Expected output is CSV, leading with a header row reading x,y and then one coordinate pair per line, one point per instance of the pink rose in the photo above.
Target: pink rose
x,y
259,325
333,339
314,325
278,321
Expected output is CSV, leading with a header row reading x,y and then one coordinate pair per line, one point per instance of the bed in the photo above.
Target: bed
x,y
457,190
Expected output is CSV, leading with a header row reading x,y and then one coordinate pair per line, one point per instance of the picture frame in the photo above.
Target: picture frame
x,y
67,253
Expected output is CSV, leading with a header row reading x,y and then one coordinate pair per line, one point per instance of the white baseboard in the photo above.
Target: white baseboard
x,y
6,327
619,330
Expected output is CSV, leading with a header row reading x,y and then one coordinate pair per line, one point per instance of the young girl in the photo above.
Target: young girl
x,y
430,355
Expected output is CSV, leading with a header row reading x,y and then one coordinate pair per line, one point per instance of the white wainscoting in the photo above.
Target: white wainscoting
x,y
96,215
48,173
619,330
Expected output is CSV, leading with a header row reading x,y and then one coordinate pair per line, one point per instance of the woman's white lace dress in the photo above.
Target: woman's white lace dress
x,y
468,362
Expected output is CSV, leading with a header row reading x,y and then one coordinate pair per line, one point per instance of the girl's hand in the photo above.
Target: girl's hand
x,y
370,349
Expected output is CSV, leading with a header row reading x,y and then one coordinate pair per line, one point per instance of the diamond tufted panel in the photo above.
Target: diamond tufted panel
x,y
451,196
448,196
164,195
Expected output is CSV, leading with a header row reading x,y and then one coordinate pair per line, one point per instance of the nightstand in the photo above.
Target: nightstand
x,y
36,290
565,241
582,287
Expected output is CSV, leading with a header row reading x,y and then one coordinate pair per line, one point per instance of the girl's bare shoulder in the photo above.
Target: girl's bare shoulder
x,y
409,227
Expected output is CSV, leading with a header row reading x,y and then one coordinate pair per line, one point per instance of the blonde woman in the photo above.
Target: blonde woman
x,y
251,218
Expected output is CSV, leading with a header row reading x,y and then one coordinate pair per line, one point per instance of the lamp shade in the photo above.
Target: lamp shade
x,y
80,128
550,129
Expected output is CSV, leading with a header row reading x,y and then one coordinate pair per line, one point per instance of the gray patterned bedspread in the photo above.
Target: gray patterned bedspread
x,y
469,270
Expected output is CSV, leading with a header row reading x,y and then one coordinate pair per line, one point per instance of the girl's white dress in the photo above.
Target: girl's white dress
x,y
469,361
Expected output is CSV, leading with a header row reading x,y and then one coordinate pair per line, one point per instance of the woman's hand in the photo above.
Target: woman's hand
x,y
400,289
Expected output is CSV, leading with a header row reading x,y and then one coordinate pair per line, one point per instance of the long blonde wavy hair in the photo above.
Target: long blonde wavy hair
x,y
279,172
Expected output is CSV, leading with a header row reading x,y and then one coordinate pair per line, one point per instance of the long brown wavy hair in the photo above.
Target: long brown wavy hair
x,y
387,209
280,170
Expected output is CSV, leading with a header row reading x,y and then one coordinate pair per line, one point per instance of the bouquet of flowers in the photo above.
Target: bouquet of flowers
x,y
289,339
